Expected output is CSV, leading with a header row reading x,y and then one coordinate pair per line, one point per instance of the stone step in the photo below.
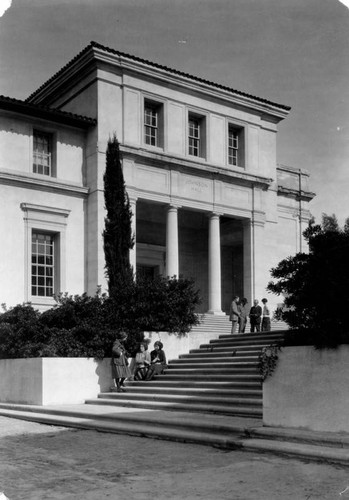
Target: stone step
x,y
232,343
228,347
212,359
225,365
198,421
203,400
250,336
215,392
224,437
206,377
224,432
238,353
298,450
170,406
329,439
159,383
209,370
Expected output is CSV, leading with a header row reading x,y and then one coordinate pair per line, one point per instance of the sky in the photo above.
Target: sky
x,y
294,52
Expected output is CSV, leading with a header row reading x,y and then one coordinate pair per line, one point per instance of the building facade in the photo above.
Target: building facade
x,y
199,159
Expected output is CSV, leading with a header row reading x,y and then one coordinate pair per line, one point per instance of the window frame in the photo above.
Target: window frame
x,y
157,107
197,141
51,221
40,270
51,136
236,151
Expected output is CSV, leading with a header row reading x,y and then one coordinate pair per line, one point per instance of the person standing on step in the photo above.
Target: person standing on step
x,y
158,361
234,314
119,363
265,316
255,316
243,315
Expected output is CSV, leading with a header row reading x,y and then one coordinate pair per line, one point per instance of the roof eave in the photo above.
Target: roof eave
x,y
97,52
29,109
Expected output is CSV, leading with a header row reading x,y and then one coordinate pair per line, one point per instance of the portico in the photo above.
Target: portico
x,y
207,246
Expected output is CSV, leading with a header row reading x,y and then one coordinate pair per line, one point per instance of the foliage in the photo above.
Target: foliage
x,y
267,360
315,285
76,327
160,304
117,235
84,326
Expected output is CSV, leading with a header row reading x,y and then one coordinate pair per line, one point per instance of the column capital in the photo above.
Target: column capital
x,y
173,206
214,214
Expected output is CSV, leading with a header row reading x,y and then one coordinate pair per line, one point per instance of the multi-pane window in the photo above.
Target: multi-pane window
x,y
233,146
151,124
236,146
194,136
42,153
42,262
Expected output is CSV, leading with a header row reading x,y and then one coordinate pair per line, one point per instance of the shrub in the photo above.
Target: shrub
x,y
315,286
84,326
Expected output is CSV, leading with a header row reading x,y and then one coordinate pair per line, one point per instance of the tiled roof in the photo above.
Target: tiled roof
x,y
159,66
40,111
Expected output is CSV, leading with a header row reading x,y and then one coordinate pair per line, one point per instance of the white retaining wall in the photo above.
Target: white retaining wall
x,y
48,381
309,389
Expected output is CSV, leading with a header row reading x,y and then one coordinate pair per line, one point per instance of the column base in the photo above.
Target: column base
x,y
216,313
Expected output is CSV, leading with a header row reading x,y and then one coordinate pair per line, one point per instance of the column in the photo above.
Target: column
x,y
256,258
248,261
214,266
172,267
132,254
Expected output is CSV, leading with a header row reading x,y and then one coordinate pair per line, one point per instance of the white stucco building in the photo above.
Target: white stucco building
x,y
208,198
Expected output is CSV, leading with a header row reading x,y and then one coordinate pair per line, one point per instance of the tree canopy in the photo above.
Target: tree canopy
x,y
315,285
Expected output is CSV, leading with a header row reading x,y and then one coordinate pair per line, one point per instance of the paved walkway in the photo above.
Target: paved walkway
x,y
40,462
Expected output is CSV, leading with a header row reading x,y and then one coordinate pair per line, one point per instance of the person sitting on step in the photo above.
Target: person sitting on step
x,y
142,362
158,361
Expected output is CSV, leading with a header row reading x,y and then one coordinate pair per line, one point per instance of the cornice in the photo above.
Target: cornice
x,y
295,194
39,184
96,52
30,207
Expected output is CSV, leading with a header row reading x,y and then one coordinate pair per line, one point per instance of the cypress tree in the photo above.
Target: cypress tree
x,y
117,235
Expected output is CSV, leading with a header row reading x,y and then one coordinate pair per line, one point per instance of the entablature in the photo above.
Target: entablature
x,y
162,160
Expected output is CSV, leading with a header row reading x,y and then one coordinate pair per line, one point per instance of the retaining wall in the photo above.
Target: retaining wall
x,y
309,389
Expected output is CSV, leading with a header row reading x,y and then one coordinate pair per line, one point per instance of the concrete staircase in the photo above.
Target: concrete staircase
x,y
220,377
214,395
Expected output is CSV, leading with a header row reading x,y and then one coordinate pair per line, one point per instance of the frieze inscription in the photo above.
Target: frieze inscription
x,y
197,186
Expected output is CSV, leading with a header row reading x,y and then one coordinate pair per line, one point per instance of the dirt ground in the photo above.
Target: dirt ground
x,y
44,462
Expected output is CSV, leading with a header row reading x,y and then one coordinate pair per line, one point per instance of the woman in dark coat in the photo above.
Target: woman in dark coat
x,y
158,361
119,363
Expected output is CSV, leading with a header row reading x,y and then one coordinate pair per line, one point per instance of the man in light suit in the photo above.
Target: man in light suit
x,y
234,314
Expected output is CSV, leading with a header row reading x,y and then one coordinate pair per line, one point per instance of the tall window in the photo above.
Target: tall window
x,y
153,123
194,136
42,153
235,146
43,264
